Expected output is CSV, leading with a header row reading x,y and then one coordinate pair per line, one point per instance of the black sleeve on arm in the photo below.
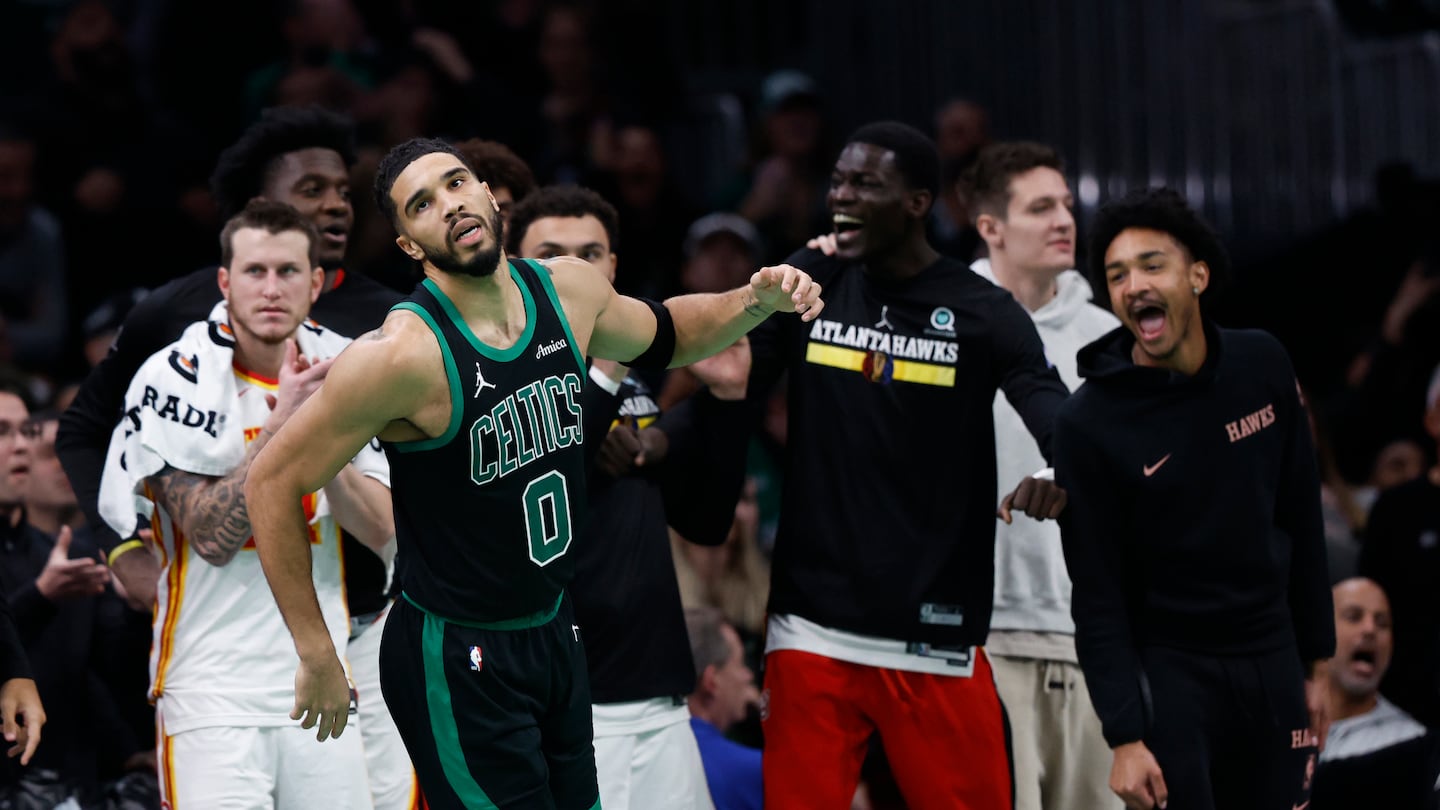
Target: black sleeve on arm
x,y
1297,514
703,473
30,612
1030,382
1092,531
662,348
85,427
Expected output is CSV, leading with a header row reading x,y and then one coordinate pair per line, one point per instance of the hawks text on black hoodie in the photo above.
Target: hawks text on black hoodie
x,y
887,527
1193,519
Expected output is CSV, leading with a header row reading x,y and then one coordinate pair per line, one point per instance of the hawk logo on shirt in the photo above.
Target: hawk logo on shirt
x,y
186,366
222,335
878,368
475,659
480,383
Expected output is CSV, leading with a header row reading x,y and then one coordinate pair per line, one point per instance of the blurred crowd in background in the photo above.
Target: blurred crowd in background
x,y
112,114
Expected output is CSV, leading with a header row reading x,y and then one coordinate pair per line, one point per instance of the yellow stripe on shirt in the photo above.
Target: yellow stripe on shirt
x,y
912,371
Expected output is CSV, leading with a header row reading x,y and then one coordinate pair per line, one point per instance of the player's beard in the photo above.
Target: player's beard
x,y
485,261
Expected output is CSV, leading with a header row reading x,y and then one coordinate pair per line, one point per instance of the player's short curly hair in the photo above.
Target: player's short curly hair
x,y
1164,210
400,158
244,166
561,201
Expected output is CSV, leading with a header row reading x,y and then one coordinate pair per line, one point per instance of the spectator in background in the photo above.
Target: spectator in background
x,y
53,601
50,501
21,715
322,63
123,721
636,180
32,262
962,129
1022,207
101,327
1375,754
721,251
1401,553
109,159
575,108
783,190
724,693
1340,508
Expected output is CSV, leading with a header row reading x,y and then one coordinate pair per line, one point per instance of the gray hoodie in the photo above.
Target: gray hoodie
x,y
1032,588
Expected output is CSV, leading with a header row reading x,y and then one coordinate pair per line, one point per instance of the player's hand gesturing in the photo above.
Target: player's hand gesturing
x,y
785,288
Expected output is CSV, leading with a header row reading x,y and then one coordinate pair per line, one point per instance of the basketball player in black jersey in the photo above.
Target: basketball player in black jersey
x,y
473,386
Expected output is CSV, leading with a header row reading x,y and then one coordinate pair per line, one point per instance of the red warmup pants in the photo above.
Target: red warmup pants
x,y
944,736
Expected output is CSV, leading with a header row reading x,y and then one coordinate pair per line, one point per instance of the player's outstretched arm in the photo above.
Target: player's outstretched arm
x,y
370,385
703,323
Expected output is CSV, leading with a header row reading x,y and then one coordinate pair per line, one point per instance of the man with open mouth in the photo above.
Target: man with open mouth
x,y
1376,754
1192,533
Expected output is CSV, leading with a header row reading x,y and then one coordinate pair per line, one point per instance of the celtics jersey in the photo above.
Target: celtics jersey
x,y
485,513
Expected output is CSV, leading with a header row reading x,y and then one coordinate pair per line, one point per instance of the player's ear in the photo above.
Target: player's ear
x,y
918,203
710,679
1199,276
410,247
222,278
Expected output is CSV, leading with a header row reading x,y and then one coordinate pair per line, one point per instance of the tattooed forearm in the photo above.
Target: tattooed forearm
x,y
753,307
211,511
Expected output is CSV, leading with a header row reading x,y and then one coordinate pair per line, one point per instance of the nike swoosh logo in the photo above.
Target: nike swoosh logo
x,y
1150,469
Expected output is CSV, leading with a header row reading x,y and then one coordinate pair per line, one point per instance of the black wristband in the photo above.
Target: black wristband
x,y
662,348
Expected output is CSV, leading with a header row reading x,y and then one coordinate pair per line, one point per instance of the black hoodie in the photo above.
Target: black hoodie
x,y
1194,514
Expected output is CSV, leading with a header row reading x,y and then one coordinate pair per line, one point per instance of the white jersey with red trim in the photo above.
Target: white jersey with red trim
x,y
222,655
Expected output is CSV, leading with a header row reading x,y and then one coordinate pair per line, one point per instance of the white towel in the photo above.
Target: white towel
x,y
175,415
